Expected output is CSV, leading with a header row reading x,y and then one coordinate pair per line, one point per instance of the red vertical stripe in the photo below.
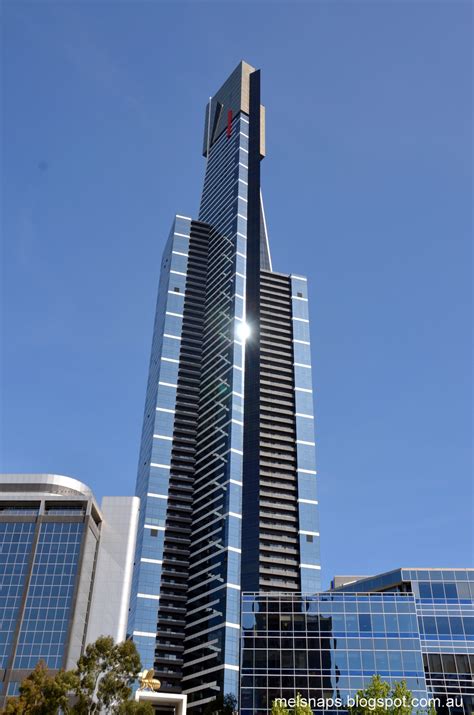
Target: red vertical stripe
x,y
229,123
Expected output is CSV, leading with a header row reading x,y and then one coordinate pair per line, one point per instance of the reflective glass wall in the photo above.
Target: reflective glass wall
x,y
326,646
45,580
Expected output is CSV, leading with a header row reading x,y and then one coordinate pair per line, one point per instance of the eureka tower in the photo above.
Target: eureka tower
x,y
226,476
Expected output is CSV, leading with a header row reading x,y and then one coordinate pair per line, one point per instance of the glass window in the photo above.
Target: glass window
x,y
463,590
179,263
455,623
438,590
434,660
410,661
425,590
469,626
404,623
395,660
354,660
305,429
300,330
306,457
307,486
450,590
391,622
302,353
378,623
368,660
449,663
429,625
300,308
443,625
352,623
303,377
462,663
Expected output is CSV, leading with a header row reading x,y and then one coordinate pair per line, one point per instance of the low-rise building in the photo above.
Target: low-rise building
x,y
411,624
65,571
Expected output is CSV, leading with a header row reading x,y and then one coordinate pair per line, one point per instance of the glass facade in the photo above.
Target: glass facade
x,y
326,646
47,524
156,444
46,618
445,608
16,541
305,446
227,434
411,624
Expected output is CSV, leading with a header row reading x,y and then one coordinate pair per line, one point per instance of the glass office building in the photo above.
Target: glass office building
x,y
226,476
51,532
444,603
411,624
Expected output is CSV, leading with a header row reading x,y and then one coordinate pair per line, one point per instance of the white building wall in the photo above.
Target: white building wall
x,y
113,574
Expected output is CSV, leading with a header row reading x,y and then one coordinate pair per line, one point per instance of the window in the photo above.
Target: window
x,y
365,622
462,662
425,590
438,590
153,532
443,625
309,538
469,626
429,625
449,664
456,625
434,660
176,289
299,294
450,590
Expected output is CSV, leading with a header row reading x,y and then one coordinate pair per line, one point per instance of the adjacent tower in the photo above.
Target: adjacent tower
x,y
226,476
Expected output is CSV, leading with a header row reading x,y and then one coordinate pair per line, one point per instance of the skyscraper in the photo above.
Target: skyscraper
x,y
226,476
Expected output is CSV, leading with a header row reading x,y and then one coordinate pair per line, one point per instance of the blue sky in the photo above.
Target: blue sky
x,y
367,187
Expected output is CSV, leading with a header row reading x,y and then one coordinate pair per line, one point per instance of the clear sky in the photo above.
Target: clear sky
x,y
367,187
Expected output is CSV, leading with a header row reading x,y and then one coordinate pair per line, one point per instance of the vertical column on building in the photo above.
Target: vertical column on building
x,y
305,445
251,465
156,443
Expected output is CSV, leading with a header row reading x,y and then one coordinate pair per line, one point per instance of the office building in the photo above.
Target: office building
x,y
226,475
56,547
411,624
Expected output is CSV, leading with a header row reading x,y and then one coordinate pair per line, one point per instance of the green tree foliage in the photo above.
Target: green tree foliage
x,y
106,672
42,693
377,698
102,681
279,709
377,689
299,709
132,707
229,704
222,705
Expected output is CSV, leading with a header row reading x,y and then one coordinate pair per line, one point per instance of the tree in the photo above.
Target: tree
x,y
101,682
222,705
42,693
302,707
378,696
377,689
132,707
229,704
279,709
106,672
375,699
